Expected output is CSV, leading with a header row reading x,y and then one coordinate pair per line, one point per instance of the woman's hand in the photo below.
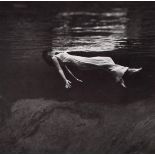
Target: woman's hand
x,y
68,84
79,80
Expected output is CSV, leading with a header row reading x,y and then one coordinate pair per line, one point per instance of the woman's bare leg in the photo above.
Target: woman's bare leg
x,y
123,83
131,71
120,81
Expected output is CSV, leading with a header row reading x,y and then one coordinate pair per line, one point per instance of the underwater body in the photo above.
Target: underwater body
x,y
37,113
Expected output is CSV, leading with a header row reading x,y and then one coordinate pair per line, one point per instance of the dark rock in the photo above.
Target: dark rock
x,y
49,126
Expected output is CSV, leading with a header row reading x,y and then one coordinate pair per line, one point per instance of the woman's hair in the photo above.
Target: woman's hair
x,y
47,57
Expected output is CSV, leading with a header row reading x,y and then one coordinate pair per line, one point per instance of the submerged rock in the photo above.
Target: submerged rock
x,y
50,126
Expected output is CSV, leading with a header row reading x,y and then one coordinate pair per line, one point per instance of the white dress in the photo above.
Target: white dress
x,y
89,63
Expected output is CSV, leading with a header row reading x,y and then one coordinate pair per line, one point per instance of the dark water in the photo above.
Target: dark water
x,y
38,115
125,31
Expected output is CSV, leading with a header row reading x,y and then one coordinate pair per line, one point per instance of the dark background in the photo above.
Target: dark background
x,y
38,115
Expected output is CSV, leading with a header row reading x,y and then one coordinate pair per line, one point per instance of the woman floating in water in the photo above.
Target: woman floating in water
x,y
88,63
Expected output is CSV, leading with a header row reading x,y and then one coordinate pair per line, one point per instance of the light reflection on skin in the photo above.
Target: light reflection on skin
x,y
96,31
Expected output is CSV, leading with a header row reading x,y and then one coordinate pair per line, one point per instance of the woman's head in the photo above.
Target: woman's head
x,y
47,56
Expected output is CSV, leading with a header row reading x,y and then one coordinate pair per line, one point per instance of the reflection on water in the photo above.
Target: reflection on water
x,y
89,31
125,32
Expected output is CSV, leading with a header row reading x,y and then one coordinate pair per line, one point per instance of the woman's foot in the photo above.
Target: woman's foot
x,y
132,71
123,84
120,81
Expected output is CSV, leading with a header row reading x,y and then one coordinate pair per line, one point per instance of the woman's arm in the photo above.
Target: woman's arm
x,y
73,74
58,67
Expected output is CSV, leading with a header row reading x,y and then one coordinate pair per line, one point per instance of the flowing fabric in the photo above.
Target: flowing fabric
x,y
89,63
